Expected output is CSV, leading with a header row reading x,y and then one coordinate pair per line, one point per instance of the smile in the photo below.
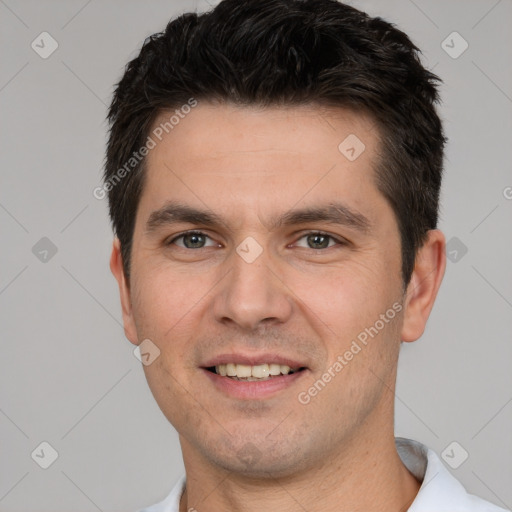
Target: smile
x,y
251,373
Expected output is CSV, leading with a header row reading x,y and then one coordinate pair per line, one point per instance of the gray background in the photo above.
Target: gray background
x,y
67,374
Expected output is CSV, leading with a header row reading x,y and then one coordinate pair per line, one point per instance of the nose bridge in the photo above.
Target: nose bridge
x,y
252,291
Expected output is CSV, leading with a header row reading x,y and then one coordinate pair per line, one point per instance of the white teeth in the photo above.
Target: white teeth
x,y
275,369
260,371
251,373
243,370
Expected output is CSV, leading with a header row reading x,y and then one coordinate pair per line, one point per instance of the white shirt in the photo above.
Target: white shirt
x,y
439,491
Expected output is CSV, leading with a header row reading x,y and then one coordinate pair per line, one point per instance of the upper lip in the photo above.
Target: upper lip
x,y
252,360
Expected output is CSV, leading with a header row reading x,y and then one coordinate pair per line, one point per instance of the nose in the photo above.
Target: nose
x,y
252,294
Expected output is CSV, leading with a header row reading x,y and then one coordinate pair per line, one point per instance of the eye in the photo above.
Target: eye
x,y
319,240
192,240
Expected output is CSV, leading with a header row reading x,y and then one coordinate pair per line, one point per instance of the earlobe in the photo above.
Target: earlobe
x,y
425,281
116,266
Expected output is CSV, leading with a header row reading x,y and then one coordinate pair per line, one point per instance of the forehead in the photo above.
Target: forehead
x,y
211,129
228,157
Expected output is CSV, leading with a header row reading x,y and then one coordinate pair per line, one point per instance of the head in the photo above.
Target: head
x,y
227,122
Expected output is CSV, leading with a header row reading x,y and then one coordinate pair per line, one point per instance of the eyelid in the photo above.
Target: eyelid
x,y
170,241
339,240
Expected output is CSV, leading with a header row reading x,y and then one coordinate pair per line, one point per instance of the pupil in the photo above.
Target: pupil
x,y
195,240
321,240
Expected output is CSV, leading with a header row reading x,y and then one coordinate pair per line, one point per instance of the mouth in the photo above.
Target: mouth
x,y
253,377
253,373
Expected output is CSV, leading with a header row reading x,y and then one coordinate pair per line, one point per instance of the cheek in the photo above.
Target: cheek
x,y
169,389
346,297
165,299
346,304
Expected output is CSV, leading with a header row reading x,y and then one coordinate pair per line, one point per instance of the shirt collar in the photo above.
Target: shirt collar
x,y
440,491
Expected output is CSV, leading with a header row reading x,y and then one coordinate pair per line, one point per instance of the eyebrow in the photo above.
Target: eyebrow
x,y
335,212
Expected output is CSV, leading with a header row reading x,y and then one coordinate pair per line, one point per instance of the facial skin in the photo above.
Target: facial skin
x,y
297,299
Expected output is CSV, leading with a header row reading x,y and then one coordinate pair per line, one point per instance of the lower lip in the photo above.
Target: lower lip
x,y
253,389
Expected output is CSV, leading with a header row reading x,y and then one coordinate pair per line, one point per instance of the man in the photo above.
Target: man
x,y
273,171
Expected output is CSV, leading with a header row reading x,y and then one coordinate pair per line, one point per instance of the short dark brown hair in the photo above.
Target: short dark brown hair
x,y
281,53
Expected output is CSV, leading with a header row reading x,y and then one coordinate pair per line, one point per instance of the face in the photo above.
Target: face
x,y
294,255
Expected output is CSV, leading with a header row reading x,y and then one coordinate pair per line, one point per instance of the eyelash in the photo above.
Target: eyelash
x,y
321,233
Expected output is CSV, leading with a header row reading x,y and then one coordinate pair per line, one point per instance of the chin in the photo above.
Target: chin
x,y
260,460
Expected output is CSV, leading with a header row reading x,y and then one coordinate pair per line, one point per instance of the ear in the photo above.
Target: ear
x,y
425,281
116,266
